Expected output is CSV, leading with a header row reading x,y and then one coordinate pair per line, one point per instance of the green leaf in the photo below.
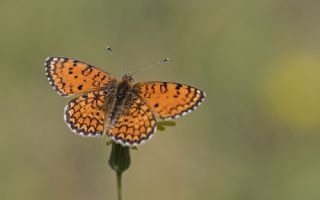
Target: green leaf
x,y
167,123
160,127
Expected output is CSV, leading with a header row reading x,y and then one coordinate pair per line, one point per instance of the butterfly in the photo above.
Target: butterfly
x,y
120,109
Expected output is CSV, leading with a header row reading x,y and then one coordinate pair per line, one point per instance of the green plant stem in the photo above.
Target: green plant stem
x,y
119,186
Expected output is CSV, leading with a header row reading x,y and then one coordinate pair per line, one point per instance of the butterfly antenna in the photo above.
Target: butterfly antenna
x,y
162,61
109,50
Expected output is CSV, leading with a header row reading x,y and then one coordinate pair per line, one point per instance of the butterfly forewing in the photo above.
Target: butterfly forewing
x,y
68,76
169,100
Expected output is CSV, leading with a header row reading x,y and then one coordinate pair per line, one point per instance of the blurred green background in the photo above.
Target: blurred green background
x,y
255,137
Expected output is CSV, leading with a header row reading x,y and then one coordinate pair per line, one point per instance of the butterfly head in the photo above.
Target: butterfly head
x,y
128,77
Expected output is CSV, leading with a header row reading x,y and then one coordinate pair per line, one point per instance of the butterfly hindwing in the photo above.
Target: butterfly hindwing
x,y
169,100
85,114
136,125
68,76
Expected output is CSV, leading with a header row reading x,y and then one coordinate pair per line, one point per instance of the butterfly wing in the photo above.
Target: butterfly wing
x,y
70,77
85,114
169,100
136,125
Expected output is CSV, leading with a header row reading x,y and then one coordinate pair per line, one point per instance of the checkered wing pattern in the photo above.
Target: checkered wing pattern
x,y
169,100
85,114
68,76
136,125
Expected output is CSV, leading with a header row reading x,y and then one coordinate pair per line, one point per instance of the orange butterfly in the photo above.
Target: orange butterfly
x,y
120,109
